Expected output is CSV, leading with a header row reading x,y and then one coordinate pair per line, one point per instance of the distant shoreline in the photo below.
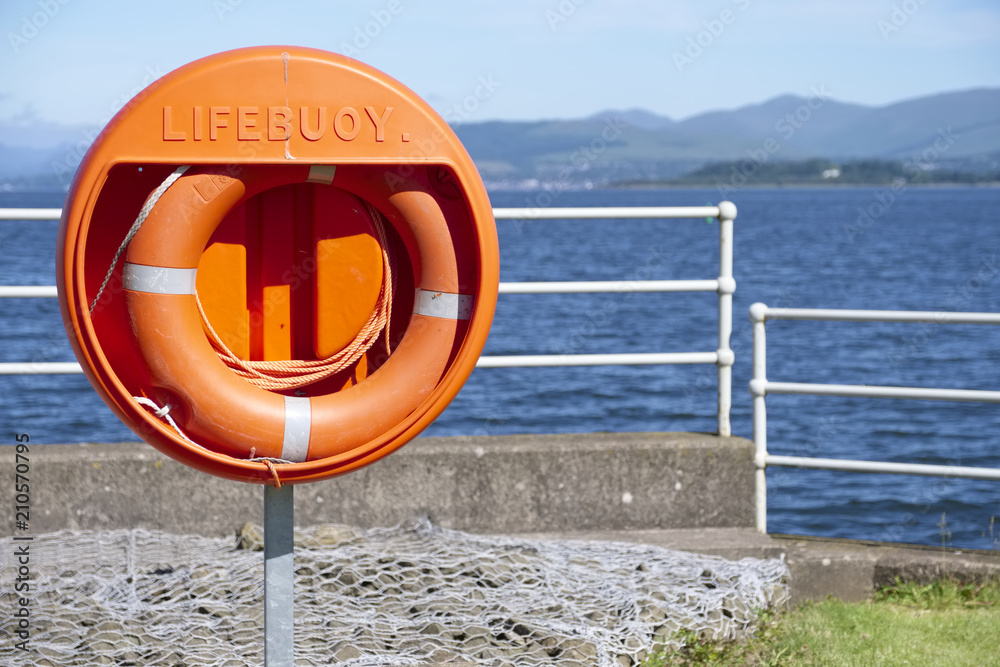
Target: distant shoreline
x,y
790,186
755,186
10,189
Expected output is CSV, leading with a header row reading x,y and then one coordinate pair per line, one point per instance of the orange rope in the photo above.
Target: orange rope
x,y
274,473
295,373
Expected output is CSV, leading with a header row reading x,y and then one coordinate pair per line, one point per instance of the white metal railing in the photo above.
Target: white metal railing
x,y
760,387
28,291
30,213
724,286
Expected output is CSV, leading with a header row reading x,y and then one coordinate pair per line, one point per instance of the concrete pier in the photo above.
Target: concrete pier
x,y
684,491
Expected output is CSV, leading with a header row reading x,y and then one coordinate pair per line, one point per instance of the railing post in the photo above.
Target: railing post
x,y
727,285
758,390
279,576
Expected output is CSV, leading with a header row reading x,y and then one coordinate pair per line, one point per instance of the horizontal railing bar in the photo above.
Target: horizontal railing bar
x,y
639,359
862,390
610,286
834,315
846,465
41,368
606,212
595,286
521,360
30,213
565,213
27,291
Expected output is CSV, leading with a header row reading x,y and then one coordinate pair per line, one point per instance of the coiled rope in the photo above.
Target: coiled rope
x,y
164,414
296,373
293,373
273,375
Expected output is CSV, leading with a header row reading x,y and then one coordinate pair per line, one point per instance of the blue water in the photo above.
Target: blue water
x,y
930,249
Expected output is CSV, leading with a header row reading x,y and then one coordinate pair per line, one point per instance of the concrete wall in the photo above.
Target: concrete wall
x,y
497,484
676,490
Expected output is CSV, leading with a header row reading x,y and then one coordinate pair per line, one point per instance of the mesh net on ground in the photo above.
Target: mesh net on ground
x,y
409,595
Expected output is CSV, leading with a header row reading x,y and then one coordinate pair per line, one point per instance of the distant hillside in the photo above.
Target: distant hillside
x,y
819,171
949,130
957,131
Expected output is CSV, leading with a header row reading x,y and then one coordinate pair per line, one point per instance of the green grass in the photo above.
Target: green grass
x,y
943,623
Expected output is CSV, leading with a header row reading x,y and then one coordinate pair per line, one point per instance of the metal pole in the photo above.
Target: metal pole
x,y
279,570
875,391
623,359
842,315
30,213
606,212
758,390
727,285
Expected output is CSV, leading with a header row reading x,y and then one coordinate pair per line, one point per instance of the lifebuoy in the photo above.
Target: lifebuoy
x,y
250,122
224,413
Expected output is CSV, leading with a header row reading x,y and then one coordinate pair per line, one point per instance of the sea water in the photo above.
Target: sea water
x,y
906,248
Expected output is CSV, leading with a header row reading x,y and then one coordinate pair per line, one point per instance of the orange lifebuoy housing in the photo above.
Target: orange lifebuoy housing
x,y
145,336
159,280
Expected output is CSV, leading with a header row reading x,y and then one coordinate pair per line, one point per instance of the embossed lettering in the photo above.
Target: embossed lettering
x,y
338,123
311,123
379,121
198,122
215,121
320,124
244,123
279,130
170,134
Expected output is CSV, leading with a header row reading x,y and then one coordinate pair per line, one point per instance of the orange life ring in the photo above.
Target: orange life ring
x,y
252,121
223,412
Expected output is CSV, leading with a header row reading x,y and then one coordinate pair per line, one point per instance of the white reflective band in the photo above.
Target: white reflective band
x,y
158,279
322,173
447,305
298,418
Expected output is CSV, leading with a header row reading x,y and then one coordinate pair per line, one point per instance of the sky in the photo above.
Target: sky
x,y
77,61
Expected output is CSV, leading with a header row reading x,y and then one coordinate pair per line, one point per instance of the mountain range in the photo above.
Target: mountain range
x,y
957,129
947,130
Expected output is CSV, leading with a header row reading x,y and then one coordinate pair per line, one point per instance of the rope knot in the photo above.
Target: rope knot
x,y
274,473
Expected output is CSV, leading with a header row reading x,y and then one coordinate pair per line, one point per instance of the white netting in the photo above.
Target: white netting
x,y
395,596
